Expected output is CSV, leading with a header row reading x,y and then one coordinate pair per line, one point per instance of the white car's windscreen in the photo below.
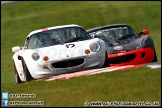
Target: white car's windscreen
x,y
57,36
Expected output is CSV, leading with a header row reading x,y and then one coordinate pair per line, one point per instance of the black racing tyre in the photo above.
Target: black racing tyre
x,y
106,64
155,57
18,80
27,75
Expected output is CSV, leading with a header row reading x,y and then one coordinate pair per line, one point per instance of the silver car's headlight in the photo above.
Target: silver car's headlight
x,y
35,56
95,46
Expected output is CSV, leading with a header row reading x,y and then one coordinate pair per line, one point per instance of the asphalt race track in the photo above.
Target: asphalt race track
x,y
154,65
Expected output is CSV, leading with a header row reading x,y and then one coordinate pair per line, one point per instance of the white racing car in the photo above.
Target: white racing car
x,y
57,50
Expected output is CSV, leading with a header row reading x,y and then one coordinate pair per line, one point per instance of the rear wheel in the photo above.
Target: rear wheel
x,y
18,80
27,75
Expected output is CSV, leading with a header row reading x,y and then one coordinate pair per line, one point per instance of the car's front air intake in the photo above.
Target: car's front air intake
x,y
68,63
122,59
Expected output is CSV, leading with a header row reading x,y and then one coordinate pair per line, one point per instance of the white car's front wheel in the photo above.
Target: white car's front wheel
x,y
18,81
27,75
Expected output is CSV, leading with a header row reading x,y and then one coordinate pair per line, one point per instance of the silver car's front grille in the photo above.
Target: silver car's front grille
x,y
68,63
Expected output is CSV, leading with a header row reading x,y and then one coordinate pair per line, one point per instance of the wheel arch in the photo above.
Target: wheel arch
x,y
18,66
30,63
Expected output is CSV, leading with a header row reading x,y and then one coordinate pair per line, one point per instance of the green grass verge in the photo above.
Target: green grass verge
x,y
18,20
141,84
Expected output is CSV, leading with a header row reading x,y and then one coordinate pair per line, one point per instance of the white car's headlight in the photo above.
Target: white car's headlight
x,y
35,56
95,46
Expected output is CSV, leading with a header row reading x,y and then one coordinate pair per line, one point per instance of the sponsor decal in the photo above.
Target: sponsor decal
x,y
118,47
105,30
120,54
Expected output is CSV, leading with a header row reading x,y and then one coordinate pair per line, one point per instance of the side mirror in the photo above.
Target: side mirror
x,y
144,32
16,49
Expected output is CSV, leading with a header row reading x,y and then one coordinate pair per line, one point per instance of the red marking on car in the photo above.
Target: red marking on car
x,y
118,47
44,29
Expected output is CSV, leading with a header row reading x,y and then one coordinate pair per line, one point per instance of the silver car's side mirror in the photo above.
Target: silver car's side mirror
x,y
16,49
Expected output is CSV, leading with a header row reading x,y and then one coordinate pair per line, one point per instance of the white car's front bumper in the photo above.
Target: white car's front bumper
x,y
48,69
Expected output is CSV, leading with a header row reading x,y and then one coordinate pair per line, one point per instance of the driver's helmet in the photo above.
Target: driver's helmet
x,y
42,40
38,42
120,33
72,33
111,35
